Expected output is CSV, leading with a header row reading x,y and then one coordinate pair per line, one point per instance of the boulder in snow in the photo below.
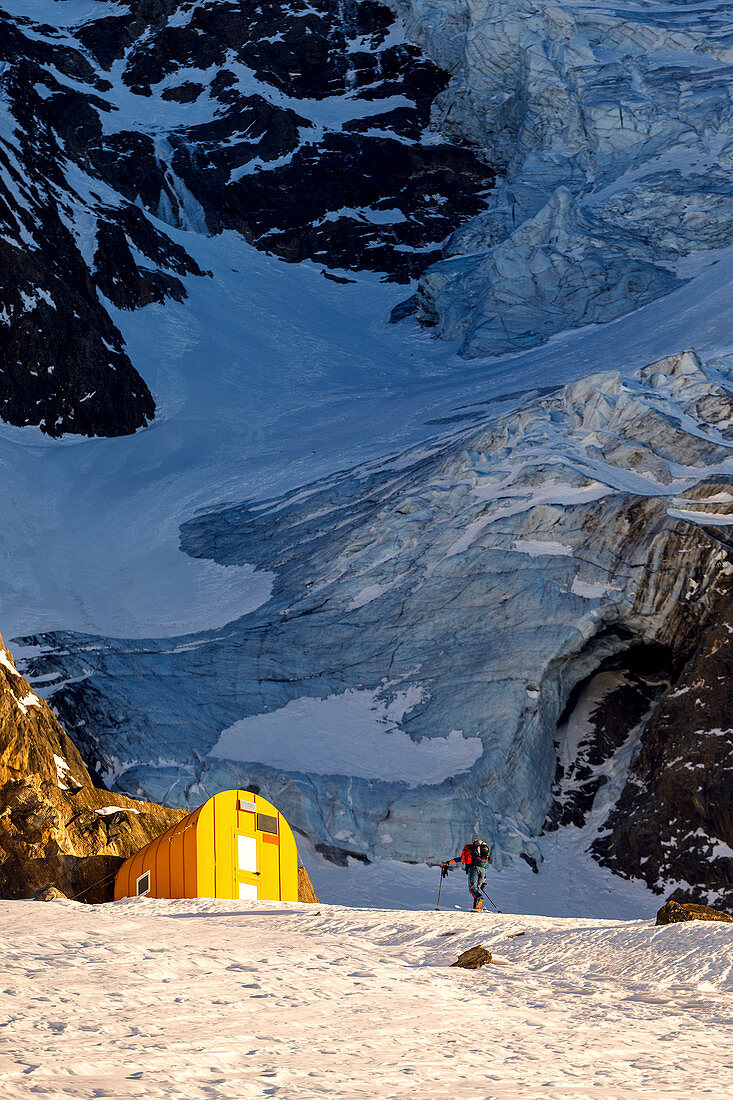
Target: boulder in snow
x,y
474,958
49,893
675,912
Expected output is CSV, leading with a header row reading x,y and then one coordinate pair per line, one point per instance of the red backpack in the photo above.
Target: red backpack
x,y
467,854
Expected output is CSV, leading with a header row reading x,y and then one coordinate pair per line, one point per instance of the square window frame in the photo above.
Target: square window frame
x,y
265,822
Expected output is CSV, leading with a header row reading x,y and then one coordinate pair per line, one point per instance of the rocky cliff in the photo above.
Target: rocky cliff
x,y
305,128
673,824
56,828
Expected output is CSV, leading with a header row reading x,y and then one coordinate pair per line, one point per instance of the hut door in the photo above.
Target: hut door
x,y
247,863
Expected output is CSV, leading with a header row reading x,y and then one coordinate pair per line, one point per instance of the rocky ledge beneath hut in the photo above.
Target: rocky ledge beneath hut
x,y
57,830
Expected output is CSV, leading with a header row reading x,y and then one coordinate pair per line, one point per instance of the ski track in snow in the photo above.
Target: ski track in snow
x,y
224,999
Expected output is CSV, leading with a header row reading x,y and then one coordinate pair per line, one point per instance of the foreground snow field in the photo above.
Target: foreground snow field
x,y
239,999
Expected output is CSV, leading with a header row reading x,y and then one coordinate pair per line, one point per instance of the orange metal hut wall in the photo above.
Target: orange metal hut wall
x,y
237,845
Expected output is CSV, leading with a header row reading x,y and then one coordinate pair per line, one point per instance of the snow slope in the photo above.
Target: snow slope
x,y
204,999
569,883
266,375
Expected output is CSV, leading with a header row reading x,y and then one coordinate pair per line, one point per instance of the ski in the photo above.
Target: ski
x,y
465,909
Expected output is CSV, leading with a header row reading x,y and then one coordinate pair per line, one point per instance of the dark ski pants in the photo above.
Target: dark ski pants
x,y
476,879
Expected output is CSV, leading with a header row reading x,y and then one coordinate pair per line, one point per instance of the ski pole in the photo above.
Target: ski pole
x,y
489,899
443,873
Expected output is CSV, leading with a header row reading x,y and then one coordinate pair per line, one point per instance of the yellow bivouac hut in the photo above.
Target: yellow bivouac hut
x,y
237,845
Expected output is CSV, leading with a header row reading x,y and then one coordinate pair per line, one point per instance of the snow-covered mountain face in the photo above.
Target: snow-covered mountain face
x,y
516,622
612,125
415,673
302,127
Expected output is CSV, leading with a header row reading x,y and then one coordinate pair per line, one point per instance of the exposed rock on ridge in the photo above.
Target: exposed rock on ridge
x,y
56,828
674,913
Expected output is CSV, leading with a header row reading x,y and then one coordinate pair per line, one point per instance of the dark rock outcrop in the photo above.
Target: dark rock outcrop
x,y
675,913
63,364
674,820
57,831
623,690
303,129
474,958
324,161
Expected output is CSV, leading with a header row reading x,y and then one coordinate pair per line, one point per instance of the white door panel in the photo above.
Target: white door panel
x,y
247,854
247,892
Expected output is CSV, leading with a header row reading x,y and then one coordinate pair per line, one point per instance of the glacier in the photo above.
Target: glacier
x,y
457,593
612,127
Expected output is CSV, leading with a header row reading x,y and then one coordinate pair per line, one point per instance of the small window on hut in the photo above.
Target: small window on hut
x,y
143,884
266,824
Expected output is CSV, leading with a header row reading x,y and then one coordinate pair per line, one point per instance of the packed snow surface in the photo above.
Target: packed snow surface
x,y
224,999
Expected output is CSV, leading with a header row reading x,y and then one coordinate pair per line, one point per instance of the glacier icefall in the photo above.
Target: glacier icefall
x,y
455,594
612,127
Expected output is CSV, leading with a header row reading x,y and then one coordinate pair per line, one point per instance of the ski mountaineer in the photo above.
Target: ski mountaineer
x,y
474,857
